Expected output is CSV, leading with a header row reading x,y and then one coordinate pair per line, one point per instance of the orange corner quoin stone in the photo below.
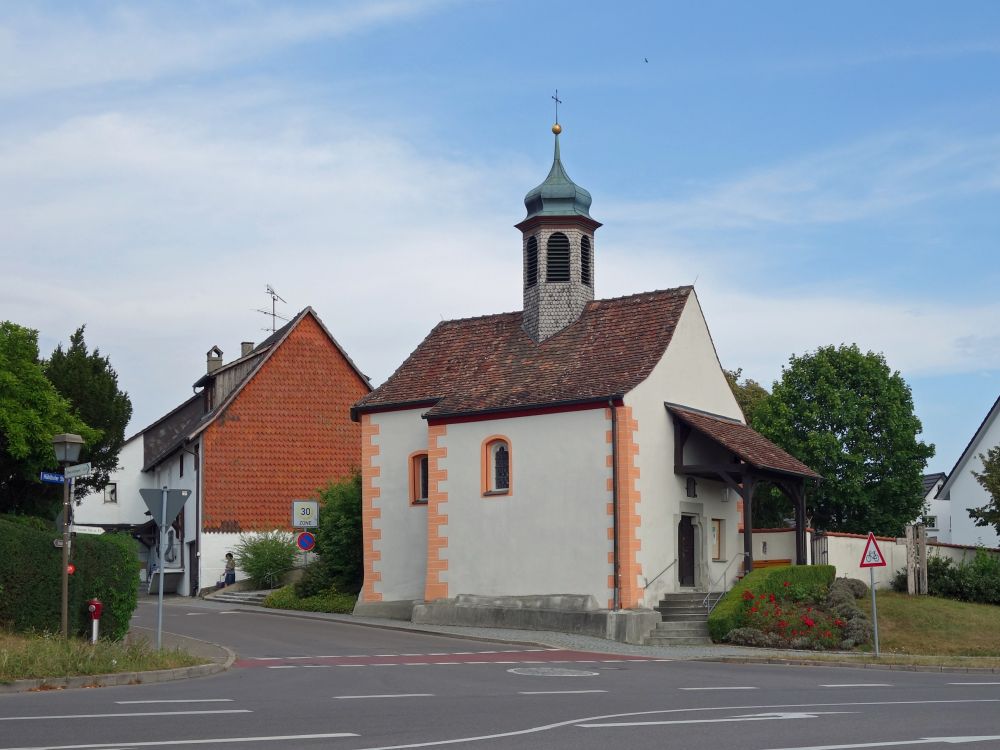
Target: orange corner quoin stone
x,y
437,501
370,512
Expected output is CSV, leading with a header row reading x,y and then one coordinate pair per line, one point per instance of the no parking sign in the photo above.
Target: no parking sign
x,y
306,541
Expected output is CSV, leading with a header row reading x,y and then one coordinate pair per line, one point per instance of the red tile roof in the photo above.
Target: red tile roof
x,y
745,442
490,364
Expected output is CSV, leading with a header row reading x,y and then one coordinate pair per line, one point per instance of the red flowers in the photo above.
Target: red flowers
x,y
771,598
748,595
808,621
786,584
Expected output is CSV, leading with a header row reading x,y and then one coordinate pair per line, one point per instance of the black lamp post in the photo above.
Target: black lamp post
x,y
67,448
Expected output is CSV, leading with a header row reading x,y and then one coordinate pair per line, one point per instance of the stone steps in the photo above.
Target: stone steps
x,y
684,621
255,598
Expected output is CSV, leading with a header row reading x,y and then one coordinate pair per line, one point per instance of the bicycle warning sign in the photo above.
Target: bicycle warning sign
x,y
872,557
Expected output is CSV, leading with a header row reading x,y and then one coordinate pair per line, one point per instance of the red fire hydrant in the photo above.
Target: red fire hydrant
x,y
95,608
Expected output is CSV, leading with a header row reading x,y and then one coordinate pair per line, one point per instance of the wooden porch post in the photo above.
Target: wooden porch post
x,y
799,498
747,521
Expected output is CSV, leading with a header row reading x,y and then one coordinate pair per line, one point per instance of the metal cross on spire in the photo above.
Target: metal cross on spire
x,y
558,101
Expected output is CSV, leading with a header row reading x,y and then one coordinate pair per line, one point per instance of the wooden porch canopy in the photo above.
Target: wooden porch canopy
x,y
753,459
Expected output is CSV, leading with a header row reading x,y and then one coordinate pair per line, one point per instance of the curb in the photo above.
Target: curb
x,y
848,665
125,678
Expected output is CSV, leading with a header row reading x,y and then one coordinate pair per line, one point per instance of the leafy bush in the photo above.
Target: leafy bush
x,y
804,583
841,602
316,579
338,537
266,556
31,581
977,580
327,601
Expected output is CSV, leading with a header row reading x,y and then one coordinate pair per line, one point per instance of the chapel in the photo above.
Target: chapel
x,y
582,453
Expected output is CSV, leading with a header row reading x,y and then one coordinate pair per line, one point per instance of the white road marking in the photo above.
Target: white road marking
x,y
779,716
128,715
352,665
561,724
180,700
195,614
558,692
974,683
387,695
317,666
283,666
896,743
386,655
202,741
265,658
720,688
859,684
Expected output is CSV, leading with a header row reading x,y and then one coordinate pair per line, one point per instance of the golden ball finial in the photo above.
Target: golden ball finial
x,y
557,128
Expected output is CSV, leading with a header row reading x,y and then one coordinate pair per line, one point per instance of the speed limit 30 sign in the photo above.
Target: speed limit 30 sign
x,y
305,514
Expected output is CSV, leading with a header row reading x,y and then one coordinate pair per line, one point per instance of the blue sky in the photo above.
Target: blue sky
x,y
826,174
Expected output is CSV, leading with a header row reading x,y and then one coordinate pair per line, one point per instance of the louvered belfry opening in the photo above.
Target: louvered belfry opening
x,y
558,251
531,263
557,258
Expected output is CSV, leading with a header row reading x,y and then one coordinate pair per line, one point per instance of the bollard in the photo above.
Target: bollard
x,y
95,608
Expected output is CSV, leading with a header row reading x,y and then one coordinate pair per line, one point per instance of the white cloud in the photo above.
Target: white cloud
x,y
132,43
873,177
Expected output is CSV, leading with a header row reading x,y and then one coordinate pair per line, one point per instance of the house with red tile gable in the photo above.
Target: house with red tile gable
x,y
567,465
269,427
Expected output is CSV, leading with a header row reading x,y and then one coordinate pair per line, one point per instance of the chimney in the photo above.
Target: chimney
x,y
214,359
245,348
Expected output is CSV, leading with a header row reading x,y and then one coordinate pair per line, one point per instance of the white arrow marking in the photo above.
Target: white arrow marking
x,y
897,743
778,716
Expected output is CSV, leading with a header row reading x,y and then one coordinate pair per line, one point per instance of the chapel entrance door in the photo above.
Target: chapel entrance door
x,y
685,551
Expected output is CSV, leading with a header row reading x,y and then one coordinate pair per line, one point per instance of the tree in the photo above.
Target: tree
x,y
989,514
31,413
90,384
749,394
848,417
338,536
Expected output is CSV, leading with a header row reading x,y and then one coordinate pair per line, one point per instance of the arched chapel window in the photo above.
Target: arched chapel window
x,y
557,258
496,468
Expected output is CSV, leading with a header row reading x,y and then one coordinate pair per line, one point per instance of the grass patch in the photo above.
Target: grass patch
x,y
328,601
29,656
931,625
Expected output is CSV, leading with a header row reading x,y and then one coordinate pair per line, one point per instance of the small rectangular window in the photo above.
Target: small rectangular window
x,y
181,473
718,548
930,522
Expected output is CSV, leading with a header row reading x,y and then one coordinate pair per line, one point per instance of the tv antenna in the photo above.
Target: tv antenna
x,y
275,298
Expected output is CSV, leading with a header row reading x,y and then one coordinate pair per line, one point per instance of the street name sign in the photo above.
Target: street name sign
x,y
305,514
85,529
175,502
50,477
872,557
79,470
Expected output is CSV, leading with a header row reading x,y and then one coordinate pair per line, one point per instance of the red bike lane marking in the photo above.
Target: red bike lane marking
x,y
520,657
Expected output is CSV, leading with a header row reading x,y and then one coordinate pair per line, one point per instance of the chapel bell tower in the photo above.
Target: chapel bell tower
x,y
558,251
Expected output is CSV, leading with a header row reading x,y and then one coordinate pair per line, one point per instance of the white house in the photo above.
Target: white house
x,y
267,428
580,450
961,491
937,511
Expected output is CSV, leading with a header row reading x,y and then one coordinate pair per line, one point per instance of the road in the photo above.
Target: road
x,y
302,683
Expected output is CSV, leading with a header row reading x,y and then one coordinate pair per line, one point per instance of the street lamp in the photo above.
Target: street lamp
x,y
67,446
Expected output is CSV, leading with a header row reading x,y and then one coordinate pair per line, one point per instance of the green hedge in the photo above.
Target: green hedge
x,y
31,581
805,582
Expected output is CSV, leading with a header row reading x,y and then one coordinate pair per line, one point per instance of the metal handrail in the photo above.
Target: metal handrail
x,y
722,577
674,562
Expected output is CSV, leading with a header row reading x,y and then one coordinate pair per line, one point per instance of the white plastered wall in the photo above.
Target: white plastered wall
x,y
965,492
550,535
130,509
939,508
214,546
403,545
690,374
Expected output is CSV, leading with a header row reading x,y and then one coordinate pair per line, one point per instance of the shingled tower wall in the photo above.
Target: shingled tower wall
x,y
557,206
